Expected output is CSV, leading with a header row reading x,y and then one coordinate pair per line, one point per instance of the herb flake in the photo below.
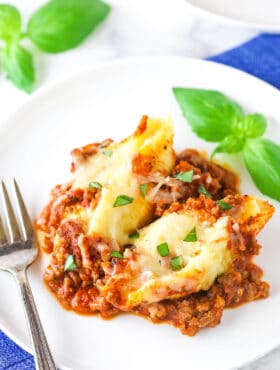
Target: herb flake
x,y
94,185
204,192
117,254
176,263
191,237
143,189
163,250
122,200
107,152
224,206
70,264
185,176
134,235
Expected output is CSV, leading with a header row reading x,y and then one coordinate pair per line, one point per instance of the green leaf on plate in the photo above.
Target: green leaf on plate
x,y
211,114
252,126
262,159
63,24
18,64
230,144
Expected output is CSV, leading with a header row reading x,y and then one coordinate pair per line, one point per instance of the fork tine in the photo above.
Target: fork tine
x,y
3,237
24,219
10,216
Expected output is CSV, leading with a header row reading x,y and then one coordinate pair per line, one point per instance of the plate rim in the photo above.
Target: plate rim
x,y
233,21
111,63
39,94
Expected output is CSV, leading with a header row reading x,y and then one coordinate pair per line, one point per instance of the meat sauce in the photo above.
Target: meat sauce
x,y
80,289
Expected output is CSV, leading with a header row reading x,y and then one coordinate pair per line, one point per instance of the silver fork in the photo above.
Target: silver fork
x,y
18,250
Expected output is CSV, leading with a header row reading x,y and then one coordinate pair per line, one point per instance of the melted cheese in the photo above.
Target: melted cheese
x,y
148,277
115,173
202,261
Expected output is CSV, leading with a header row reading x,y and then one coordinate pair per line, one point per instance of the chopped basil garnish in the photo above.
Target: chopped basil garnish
x,y
107,152
203,191
134,235
122,200
191,237
224,206
163,250
116,254
143,189
185,176
94,185
176,263
70,264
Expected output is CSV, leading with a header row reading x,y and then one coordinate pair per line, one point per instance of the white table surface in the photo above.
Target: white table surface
x,y
134,28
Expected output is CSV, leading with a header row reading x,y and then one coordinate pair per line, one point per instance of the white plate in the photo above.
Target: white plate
x,y
108,101
262,15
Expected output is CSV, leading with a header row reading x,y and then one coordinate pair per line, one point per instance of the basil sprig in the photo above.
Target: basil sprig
x,y
18,64
216,118
210,114
10,22
262,159
57,26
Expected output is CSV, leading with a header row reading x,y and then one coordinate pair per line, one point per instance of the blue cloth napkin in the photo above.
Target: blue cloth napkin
x,y
259,57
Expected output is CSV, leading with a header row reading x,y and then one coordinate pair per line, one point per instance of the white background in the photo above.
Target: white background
x,y
133,28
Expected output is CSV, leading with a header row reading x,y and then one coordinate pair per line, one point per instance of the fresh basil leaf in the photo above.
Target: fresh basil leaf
x,y
252,126
230,144
63,24
211,114
10,22
262,158
18,64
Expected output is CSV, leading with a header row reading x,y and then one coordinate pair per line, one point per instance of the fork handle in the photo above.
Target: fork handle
x,y
43,356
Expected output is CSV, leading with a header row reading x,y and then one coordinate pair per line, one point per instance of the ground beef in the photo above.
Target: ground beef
x,y
205,309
